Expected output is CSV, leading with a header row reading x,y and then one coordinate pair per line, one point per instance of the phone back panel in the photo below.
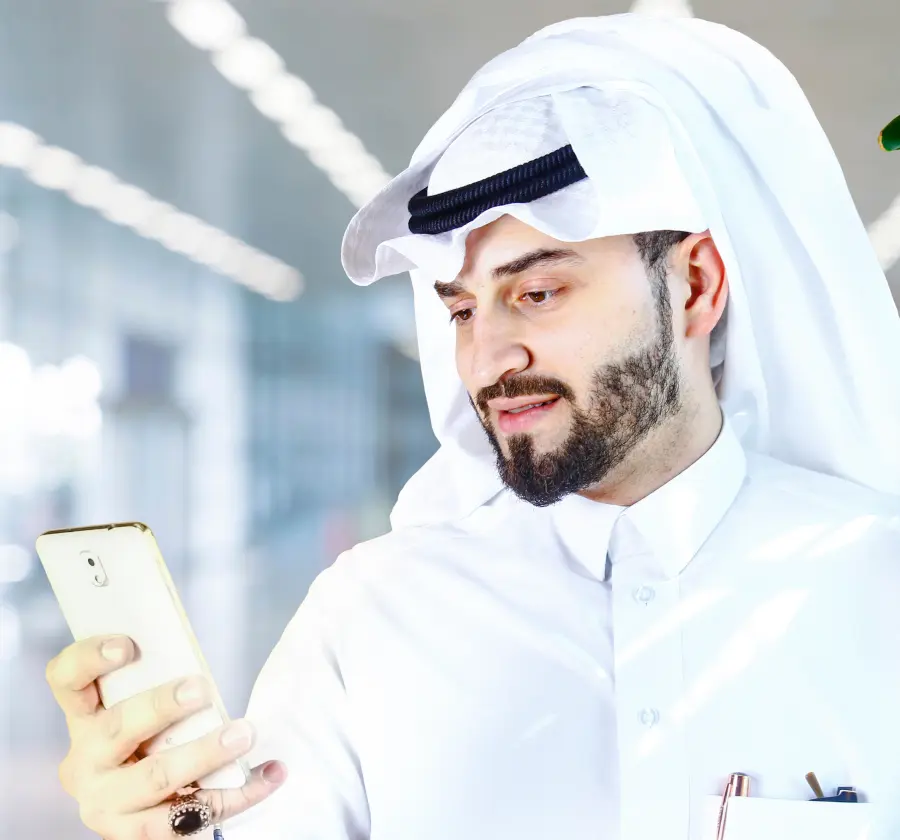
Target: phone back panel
x,y
127,591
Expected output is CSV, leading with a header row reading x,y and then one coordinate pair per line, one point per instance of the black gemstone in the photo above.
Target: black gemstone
x,y
187,822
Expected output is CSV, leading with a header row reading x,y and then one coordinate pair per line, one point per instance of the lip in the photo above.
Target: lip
x,y
509,405
511,424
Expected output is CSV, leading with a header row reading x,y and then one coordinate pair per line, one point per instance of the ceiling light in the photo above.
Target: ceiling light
x,y
53,168
248,63
360,173
268,276
154,220
279,282
239,255
223,256
181,233
17,144
261,272
285,293
283,97
344,148
213,248
207,24
253,65
360,185
315,128
93,186
129,206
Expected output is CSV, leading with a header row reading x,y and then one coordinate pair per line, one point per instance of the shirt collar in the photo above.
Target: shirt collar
x,y
676,520
671,523
585,528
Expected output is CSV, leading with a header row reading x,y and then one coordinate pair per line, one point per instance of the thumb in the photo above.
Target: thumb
x,y
264,781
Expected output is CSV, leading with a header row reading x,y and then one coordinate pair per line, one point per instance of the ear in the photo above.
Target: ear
x,y
699,265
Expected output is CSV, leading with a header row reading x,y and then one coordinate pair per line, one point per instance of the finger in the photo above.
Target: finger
x,y
264,781
159,776
153,824
122,728
71,674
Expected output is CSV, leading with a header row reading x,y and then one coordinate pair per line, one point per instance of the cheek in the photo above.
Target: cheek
x,y
586,342
574,352
464,366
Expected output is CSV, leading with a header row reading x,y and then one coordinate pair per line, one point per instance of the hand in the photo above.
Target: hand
x,y
120,796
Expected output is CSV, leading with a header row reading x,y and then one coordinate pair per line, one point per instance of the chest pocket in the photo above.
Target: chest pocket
x,y
752,818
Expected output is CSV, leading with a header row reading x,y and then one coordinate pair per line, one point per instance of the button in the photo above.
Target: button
x,y
649,717
644,594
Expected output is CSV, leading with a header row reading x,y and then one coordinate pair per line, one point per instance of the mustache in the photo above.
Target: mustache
x,y
522,386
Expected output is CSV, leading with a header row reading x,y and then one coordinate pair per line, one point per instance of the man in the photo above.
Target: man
x,y
660,542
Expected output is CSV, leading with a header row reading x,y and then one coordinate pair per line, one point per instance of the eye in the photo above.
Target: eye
x,y
461,316
540,296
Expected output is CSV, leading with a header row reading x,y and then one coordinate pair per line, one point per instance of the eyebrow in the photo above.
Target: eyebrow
x,y
539,258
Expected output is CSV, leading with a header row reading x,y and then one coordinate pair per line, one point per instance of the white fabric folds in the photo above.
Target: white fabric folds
x,y
679,124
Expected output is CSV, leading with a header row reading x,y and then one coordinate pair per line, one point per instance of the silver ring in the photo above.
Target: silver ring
x,y
188,815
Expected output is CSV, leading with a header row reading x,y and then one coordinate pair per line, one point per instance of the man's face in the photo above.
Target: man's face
x,y
567,352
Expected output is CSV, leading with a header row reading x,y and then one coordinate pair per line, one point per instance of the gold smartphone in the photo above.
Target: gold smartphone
x,y
112,580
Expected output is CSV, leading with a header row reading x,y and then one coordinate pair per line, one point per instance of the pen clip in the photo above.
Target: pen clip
x,y
738,785
720,825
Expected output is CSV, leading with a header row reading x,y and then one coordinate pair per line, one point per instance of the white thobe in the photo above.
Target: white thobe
x,y
487,679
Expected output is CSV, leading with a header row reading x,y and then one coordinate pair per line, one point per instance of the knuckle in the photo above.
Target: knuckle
x,y
52,673
157,775
216,801
75,774
90,815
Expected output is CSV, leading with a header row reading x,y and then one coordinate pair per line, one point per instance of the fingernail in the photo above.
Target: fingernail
x,y
190,693
238,736
274,773
114,650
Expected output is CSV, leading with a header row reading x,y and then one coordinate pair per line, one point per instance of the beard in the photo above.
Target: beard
x,y
627,400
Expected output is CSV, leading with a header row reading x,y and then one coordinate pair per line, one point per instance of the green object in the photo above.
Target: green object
x,y
889,139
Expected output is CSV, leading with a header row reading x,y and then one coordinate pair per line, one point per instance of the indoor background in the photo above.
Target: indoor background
x,y
178,342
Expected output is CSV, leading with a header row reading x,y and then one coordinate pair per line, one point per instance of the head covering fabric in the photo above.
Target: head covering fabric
x,y
680,124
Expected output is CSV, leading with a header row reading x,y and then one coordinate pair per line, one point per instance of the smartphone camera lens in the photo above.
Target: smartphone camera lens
x,y
98,573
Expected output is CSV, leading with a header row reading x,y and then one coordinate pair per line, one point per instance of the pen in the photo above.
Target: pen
x,y
814,784
738,785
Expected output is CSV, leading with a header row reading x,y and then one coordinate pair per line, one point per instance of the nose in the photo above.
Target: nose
x,y
495,351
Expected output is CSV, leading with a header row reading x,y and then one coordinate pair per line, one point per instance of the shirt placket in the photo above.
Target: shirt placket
x,y
653,765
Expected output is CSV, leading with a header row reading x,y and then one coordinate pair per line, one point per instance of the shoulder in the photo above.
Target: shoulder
x,y
778,495
432,545
406,562
803,488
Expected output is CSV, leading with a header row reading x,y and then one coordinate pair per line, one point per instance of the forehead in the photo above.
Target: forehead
x,y
507,238
501,241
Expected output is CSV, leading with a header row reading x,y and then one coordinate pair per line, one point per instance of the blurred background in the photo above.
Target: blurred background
x,y
178,342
